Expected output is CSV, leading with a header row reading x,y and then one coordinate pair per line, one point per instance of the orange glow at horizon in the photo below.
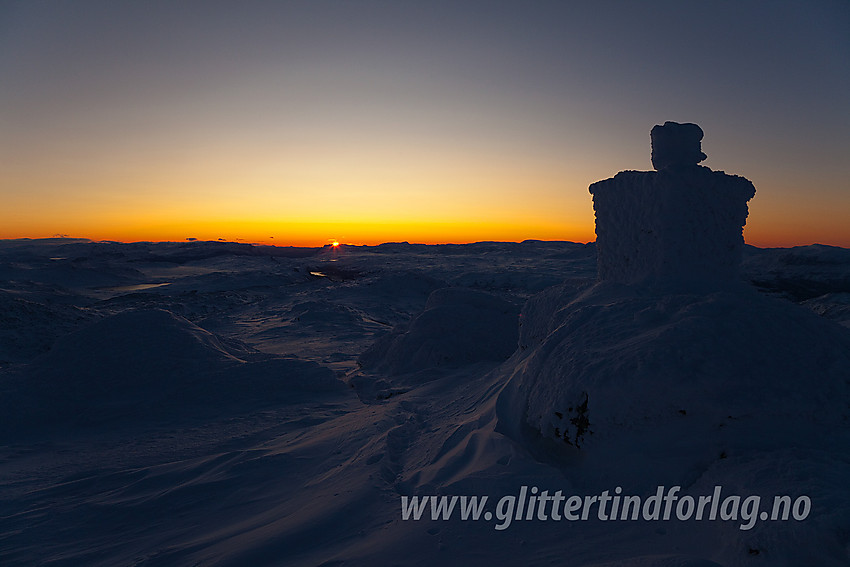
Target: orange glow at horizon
x,y
441,202
311,234
300,121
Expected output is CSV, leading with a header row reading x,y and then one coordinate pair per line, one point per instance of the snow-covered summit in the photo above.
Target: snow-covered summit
x,y
617,360
668,348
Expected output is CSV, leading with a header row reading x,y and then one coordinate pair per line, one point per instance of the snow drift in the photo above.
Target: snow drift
x,y
671,369
458,326
259,465
151,362
682,345
620,358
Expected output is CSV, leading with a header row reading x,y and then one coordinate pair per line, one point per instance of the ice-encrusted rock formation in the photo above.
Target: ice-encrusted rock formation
x,y
688,372
675,144
681,222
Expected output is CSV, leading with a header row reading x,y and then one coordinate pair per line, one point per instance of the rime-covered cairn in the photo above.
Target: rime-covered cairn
x,y
680,222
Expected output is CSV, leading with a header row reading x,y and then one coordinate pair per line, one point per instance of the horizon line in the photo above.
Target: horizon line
x,y
329,243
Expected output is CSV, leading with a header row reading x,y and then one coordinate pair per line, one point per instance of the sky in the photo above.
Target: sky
x,y
427,121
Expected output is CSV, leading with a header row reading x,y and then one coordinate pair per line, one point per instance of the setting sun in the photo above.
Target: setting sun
x,y
596,268
405,124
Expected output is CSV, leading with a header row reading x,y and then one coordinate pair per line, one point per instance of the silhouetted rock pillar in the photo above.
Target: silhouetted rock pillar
x,y
683,221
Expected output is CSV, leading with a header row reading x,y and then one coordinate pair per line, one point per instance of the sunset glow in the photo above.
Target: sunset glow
x,y
282,124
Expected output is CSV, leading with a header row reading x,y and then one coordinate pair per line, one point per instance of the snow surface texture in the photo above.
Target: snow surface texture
x,y
458,326
683,221
150,363
200,403
712,387
619,358
669,354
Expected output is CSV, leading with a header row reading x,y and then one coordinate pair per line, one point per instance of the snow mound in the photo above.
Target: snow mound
x,y
406,286
28,328
458,326
518,280
136,346
620,359
151,361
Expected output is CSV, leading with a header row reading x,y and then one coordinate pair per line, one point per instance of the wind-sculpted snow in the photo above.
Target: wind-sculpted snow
x,y
835,306
148,363
801,273
619,358
458,326
29,327
669,364
205,408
